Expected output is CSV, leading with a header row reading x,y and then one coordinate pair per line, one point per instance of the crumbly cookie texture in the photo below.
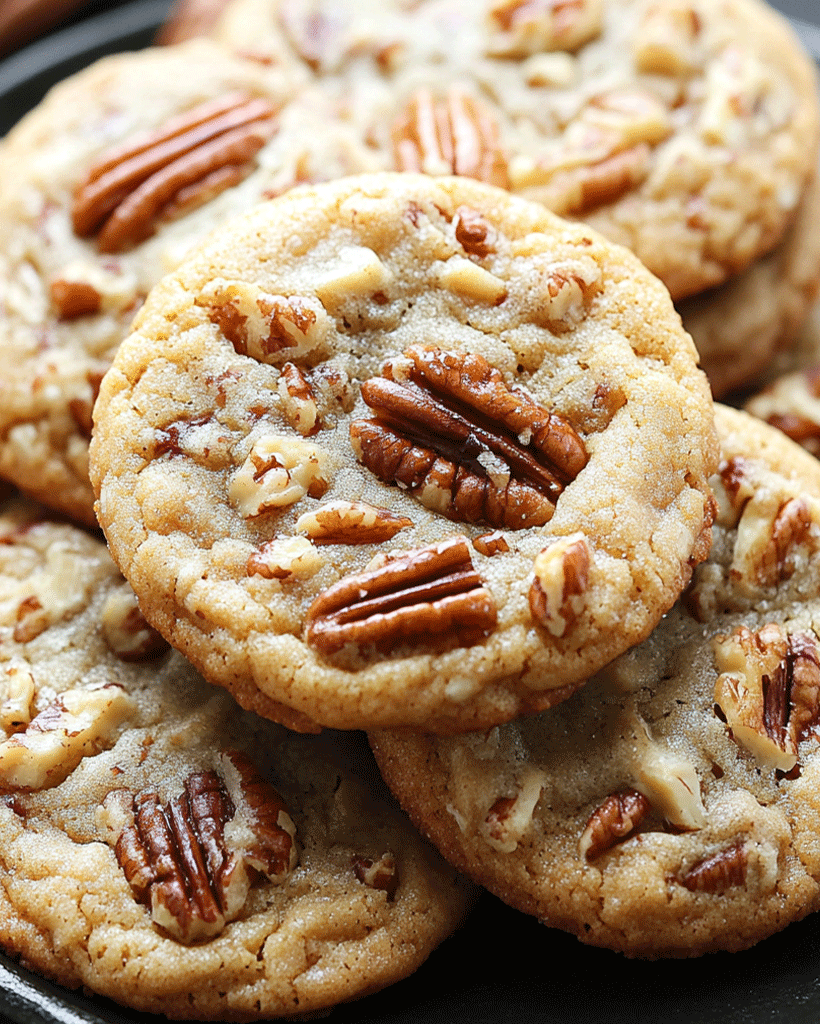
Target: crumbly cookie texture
x,y
106,184
683,130
164,848
668,808
745,327
406,451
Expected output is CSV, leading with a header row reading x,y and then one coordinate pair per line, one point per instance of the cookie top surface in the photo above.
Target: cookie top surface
x,y
107,183
684,131
349,432
160,846
743,327
669,807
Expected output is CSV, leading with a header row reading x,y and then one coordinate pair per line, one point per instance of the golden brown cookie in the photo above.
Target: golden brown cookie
x,y
683,130
163,848
669,807
405,450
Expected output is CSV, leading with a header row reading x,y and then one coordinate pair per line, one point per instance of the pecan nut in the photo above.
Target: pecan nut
x,y
425,592
381,874
125,630
350,522
718,872
450,431
279,471
193,156
614,820
186,859
768,691
558,590
453,134
525,27
77,724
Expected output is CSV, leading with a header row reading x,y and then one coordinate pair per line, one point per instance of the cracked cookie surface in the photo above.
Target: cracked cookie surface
x,y
162,847
405,451
669,807
107,183
683,130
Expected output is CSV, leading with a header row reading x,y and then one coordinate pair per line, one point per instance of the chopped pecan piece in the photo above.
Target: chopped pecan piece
x,y
188,859
75,725
126,192
768,691
125,630
558,590
454,134
279,471
509,817
426,592
32,619
265,327
490,544
285,558
614,820
379,874
528,27
452,433
719,872
350,522
474,233
73,299
17,692
664,41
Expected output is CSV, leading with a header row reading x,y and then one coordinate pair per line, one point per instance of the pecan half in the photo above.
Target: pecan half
x,y
558,590
453,134
614,820
350,522
451,432
719,872
425,592
189,159
179,857
769,691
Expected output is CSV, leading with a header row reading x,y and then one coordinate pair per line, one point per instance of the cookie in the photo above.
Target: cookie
x,y
744,327
163,848
669,808
685,131
792,404
405,450
86,233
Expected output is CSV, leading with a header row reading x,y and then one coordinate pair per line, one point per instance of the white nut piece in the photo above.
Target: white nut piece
x,y
467,279
16,696
668,781
357,271
56,740
285,558
561,574
508,820
279,471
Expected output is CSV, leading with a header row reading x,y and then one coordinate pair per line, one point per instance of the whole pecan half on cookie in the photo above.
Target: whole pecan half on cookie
x,y
450,431
183,164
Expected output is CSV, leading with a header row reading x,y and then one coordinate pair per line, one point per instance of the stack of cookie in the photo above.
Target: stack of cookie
x,y
381,444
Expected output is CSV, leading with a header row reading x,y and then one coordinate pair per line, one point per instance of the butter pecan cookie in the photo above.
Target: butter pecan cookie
x,y
406,450
162,847
669,807
106,184
683,129
744,328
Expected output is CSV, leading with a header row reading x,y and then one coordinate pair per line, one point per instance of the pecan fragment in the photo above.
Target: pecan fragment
x,y
186,858
768,691
350,522
125,630
454,134
490,544
17,692
75,725
532,26
379,874
73,299
191,157
557,593
285,558
509,817
719,872
450,431
279,471
615,819
427,591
